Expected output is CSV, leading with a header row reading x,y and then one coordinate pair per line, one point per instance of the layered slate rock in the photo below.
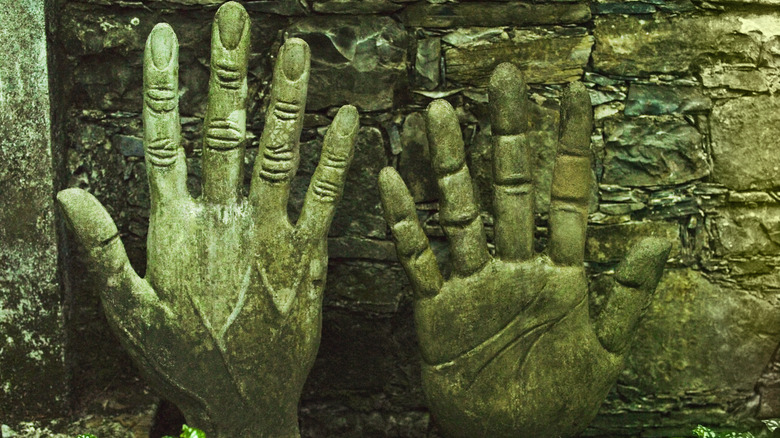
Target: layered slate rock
x,y
655,99
545,55
358,60
33,378
491,13
653,151
609,243
354,7
631,46
745,147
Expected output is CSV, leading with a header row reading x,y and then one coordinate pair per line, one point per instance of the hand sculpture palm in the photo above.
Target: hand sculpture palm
x,y
226,323
508,345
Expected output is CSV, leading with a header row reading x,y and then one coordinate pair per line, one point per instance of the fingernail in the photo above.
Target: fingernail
x,y
346,120
231,20
162,42
294,58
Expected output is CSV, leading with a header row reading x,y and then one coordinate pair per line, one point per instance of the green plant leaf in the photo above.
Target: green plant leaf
x,y
86,435
772,424
191,432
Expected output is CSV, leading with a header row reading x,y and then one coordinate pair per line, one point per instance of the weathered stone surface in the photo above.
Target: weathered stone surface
x,y
744,142
355,60
365,285
354,7
744,232
493,14
33,378
415,162
545,55
634,46
427,62
702,338
742,79
652,151
665,99
610,243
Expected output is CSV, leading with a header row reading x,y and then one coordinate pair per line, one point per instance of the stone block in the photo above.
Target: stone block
x,y
545,55
744,135
653,151
33,377
702,338
358,60
493,14
355,7
637,46
734,78
747,232
427,61
665,99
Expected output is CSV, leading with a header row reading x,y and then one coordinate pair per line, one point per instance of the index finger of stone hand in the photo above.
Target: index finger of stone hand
x,y
277,159
327,183
225,124
572,178
411,244
459,215
513,190
164,156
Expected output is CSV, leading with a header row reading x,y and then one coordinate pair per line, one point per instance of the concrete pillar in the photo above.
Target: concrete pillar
x,y
32,367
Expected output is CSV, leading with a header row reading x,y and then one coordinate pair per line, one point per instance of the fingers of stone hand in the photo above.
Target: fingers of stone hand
x,y
513,190
459,214
631,291
277,160
572,178
225,123
162,132
412,245
327,184
97,233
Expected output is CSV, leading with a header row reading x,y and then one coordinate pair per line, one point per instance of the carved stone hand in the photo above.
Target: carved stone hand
x,y
227,322
508,344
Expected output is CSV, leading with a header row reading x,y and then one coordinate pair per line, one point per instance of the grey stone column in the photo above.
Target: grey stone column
x,y
32,367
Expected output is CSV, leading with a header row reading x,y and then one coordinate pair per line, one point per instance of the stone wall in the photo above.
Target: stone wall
x,y
685,145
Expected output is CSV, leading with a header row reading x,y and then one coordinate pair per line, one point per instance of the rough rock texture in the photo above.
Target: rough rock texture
x,y
653,151
744,143
32,339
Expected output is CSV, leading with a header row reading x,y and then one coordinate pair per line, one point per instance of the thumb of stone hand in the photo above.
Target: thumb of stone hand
x,y
97,233
629,293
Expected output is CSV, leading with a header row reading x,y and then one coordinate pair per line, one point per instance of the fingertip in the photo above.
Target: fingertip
x,y
644,264
507,93
86,216
295,58
232,21
347,120
162,44
395,196
444,137
576,117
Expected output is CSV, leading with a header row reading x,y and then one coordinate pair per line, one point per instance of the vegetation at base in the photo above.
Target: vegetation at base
x,y
186,432
705,432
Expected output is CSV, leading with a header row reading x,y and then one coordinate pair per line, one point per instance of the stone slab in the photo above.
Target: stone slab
x,y
545,55
653,151
630,45
744,142
493,14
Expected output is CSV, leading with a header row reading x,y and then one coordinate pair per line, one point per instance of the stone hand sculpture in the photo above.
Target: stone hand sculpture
x,y
509,346
226,323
